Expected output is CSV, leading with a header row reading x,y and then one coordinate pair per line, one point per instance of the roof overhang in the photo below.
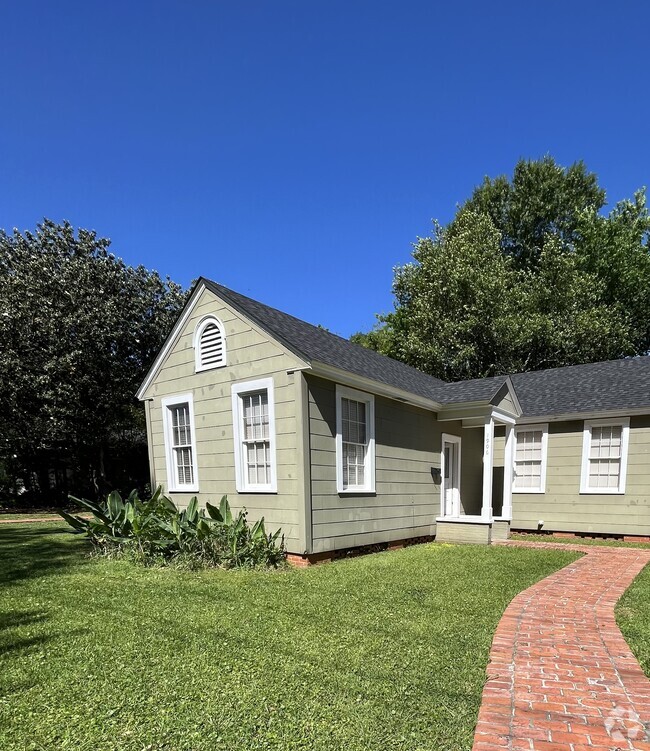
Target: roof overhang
x,y
474,414
199,288
370,385
592,415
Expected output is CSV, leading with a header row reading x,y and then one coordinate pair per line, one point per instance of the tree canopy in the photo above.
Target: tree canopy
x,y
79,328
529,274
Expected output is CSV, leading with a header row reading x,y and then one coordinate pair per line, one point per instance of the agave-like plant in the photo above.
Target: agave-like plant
x,y
156,526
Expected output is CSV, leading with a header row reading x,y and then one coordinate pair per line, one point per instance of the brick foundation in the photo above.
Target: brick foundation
x,y
312,559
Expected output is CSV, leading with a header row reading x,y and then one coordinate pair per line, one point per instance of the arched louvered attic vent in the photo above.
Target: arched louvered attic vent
x,y
209,344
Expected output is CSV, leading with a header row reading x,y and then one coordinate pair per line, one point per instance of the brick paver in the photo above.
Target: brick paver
x,y
561,676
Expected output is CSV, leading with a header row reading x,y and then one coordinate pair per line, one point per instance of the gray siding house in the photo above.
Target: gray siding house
x,y
342,447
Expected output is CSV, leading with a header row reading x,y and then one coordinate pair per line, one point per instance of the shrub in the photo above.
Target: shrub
x,y
155,531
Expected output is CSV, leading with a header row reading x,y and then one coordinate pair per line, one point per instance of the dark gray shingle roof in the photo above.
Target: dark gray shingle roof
x,y
314,343
604,386
601,386
476,390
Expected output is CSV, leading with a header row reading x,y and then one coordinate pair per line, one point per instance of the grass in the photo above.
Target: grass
x,y
633,617
380,652
45,516
578,540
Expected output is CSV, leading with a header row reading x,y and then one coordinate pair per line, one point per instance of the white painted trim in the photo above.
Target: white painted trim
x,y
624,423
369,400
508,473
455,440
503,417
465,519
237,391
173,486
175,333
344,377
594,415
198,333
523,428
171,340
488,467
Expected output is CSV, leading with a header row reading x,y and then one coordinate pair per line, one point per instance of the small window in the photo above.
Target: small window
x,y
529,471
355,441
180,443
254,434
209,344
604,456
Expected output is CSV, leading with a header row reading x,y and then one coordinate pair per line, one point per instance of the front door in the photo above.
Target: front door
x,y
451,475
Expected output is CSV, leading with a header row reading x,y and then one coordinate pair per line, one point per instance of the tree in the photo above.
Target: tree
x,y
79,328
528,275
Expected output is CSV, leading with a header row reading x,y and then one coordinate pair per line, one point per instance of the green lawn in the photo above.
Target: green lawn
x,y
633,616
46,516
386,651
578,540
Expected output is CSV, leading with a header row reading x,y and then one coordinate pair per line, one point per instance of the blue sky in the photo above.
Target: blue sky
x,y
293,150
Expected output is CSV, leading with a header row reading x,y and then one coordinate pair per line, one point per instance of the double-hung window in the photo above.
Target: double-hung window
x,y
529,471
355,441
180,443
254,435
604,456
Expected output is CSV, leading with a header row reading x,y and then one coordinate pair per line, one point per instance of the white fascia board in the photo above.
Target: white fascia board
x,y
371,386
171,340
301,363
513,394
465,411
595,415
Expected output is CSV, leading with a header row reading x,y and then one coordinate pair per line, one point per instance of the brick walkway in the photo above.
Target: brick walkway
x,y
561,677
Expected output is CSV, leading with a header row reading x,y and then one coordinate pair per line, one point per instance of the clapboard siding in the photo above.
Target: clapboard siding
x,y
563,508
407,498
250,355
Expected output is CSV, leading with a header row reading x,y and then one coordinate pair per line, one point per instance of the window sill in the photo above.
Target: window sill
x,y
263,490
524,491
356,491
183,490
600,491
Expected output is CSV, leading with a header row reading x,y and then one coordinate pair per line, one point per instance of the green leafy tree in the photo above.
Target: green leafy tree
x,y
529,274
79,329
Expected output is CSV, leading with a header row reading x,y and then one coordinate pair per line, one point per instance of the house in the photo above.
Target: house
x,y
342,447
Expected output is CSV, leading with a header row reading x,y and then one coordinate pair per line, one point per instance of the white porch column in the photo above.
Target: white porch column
x,y
488,454
508,465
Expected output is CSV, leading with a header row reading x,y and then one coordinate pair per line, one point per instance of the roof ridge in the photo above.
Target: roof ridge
x,y
322,331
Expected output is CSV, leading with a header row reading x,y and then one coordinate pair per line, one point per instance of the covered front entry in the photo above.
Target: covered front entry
x,y
474,506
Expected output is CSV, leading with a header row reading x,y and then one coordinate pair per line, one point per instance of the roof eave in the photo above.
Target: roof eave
x,y
586,415
347,378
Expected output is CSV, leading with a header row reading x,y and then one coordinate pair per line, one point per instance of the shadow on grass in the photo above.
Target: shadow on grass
x,y
33,551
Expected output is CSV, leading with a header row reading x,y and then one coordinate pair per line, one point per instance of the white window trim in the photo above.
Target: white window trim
x,y
241,476
198,333
624,423
343,392
173,486
528,427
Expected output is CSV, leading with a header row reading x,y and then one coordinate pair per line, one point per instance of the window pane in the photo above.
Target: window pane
x,y
258,462
354,458
184,466
353,421
256,416
181,432
605,456
528,459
